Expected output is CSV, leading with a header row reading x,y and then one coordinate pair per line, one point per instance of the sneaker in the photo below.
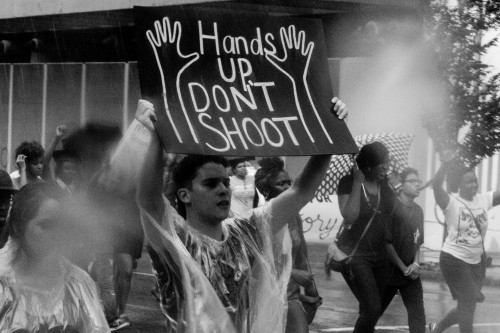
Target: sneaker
x,y
119,323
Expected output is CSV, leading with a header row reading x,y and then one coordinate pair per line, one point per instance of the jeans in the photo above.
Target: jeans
x,y
367,277
413,298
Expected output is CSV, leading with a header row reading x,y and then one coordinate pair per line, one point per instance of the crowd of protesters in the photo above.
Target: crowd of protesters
x,y
69,238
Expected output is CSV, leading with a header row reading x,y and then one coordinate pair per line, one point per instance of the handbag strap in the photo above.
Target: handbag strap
x,y
375,212
475,222
313,280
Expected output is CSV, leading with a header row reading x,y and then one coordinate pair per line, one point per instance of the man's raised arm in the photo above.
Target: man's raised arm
x,y
290,202
150,181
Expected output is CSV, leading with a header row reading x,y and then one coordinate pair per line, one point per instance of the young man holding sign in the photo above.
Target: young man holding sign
x,y
217,274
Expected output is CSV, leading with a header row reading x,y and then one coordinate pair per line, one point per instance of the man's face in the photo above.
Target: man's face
x,y
411,185
210,196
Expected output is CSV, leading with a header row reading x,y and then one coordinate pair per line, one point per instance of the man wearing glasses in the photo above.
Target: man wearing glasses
x,y
406,234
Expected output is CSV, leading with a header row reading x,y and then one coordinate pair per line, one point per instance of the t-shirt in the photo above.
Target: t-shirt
x,y
406,234
464,241
373,243
242,194
71,306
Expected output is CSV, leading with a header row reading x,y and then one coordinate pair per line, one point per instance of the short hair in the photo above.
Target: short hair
x,y
371,155
408,171
185,171
270,167
25,205
33,150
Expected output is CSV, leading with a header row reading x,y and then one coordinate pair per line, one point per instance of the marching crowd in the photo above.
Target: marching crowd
x,y
228,252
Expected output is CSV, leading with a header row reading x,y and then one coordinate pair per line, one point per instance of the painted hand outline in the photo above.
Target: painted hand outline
x,y
168,34
293,41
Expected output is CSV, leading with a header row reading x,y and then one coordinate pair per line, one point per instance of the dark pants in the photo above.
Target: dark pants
x,y
413,298
367,278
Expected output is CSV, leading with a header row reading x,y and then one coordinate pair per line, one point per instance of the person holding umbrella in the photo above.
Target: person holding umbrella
x,y
366,202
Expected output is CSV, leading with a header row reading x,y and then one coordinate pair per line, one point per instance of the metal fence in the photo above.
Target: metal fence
x,y
35,98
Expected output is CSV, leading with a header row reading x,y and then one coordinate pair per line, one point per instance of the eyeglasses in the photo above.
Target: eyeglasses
x,y
414,181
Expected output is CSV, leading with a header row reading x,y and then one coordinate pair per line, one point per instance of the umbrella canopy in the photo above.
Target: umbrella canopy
x,y
398,145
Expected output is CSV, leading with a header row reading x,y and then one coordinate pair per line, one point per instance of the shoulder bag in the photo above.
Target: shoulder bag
x,y
335,257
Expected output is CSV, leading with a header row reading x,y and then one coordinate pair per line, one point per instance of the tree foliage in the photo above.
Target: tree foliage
x,y
472,88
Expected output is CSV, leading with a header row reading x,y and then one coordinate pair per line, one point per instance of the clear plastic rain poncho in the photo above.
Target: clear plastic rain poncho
x,y
238,284
71,306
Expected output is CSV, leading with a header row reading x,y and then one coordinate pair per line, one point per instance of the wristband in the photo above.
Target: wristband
x,y
416,264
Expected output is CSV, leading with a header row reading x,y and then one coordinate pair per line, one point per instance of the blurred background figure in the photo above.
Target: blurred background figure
x,y
6,191
40,290
114,223
66,171
271,180
243,194
29,157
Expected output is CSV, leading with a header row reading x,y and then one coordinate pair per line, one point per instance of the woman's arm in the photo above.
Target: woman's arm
x,y
349,204
49,152
394,258
442,198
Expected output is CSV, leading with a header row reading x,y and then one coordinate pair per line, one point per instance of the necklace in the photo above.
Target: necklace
x,y
368,199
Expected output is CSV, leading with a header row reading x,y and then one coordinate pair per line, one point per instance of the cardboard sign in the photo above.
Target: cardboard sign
x,y
228,83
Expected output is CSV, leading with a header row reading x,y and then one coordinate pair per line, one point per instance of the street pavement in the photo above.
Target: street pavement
x,y
340,309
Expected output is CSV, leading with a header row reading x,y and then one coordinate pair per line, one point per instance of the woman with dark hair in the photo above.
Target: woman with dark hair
x,y
466,218
366,201
39,289
29,157
272,180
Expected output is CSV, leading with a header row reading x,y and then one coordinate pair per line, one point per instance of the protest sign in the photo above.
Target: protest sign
x,y
233,83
